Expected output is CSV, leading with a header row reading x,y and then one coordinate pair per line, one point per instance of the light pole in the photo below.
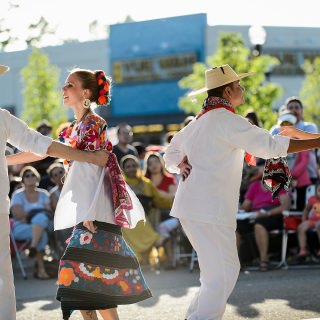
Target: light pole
x,y
257,37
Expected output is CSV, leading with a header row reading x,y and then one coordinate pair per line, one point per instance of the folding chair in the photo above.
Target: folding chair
x,y
17,250
178,252
194,258
310,191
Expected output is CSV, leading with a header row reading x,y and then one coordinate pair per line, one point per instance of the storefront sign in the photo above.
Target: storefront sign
x,y
153,68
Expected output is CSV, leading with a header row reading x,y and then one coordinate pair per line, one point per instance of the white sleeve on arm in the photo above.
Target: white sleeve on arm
x,y
25,138
173,154
256,141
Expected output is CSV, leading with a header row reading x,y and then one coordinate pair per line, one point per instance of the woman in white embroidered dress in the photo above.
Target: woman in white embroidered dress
x,y
98,271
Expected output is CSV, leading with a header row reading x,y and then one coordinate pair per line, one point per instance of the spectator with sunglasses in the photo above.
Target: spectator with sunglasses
x,y
30,207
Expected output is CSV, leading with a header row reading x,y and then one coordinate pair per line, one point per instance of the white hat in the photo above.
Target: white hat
x,y
219,76
287,116
3,69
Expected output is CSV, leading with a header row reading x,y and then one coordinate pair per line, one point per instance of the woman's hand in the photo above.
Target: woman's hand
x,y
262,214
90,226
185,168
100,158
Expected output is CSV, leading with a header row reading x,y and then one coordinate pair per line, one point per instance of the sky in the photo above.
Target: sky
x,y
71,18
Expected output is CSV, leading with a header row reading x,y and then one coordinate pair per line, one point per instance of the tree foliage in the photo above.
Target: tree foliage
x,y
36,31
310,90
260,93
42,99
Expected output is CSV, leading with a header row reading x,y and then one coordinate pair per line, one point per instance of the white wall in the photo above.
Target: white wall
x,y
91,55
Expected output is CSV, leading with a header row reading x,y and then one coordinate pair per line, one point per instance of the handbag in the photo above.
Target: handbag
x,y
292,222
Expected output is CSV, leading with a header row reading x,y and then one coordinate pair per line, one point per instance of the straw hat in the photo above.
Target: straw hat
x,y
219,76
3,69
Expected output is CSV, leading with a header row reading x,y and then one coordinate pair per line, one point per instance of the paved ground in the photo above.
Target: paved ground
x,y
291,294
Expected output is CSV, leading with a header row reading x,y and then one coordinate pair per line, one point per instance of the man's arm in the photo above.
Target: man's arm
x,y
22,157
293,132
260,143
27,139
303,145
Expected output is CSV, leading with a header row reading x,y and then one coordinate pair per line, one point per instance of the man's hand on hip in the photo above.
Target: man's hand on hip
x,y
185,168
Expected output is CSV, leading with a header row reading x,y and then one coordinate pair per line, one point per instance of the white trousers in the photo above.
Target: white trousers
x,y
219,268
7,293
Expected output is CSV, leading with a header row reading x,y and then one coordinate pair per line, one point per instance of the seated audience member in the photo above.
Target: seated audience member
x,y
166,183
248,172
15,184
310,220
268,214
187,120
297,163
143,237
30,207
252,117
62,127
155,171
123,147
56,174
168,137
294,105
142,150
45,128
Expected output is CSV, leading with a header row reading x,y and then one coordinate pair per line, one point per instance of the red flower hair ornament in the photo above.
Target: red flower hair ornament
x,y
104,86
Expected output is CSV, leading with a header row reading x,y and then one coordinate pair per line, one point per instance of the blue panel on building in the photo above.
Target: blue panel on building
x,y
149,58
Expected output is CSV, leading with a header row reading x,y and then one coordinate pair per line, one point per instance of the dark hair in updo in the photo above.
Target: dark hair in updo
x,y
98,84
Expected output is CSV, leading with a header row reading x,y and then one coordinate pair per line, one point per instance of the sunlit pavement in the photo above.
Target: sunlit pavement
x,y
281,294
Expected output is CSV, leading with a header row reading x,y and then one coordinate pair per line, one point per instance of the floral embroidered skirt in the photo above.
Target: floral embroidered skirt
x,y
99,271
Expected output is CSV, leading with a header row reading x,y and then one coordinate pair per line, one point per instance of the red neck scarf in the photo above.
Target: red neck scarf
x,y
212,103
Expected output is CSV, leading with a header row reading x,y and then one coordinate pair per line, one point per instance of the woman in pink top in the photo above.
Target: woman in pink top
x,y
268,217
300,178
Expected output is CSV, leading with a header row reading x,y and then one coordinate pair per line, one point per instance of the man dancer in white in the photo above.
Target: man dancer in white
x,y
20,135
209,154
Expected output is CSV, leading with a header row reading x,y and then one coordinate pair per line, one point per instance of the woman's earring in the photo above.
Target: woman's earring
x,y
86,103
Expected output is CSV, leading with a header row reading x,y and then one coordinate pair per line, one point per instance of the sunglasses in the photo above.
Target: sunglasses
x,y
28,175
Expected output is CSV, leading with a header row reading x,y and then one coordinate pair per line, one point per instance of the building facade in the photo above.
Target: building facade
x,y
147,59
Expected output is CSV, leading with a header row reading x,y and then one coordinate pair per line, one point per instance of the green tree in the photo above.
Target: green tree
x,y
260,93
42,99
310,90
